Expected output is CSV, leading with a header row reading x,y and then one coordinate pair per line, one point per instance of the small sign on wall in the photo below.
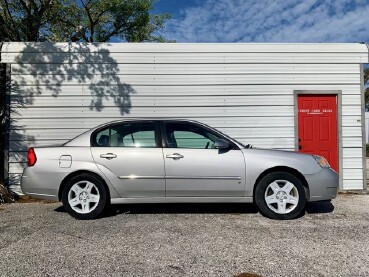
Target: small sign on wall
x,y
315,111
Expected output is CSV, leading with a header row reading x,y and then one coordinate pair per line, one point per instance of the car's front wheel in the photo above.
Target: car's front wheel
x,y
280,195
85,197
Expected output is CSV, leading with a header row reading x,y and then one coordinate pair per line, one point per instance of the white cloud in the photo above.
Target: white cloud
x,y
273,21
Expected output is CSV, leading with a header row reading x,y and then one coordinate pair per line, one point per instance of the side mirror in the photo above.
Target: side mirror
x,y
221,144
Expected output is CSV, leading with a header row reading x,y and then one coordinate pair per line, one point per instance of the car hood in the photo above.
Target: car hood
x,y
268,158
263,151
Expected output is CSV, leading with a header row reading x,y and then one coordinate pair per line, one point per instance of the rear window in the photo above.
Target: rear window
x,y
143,135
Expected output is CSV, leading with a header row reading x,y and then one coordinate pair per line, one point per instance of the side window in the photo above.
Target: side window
x,y
184,135
139,139
128,135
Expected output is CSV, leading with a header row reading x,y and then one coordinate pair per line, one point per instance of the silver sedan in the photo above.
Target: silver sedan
x,y
173,161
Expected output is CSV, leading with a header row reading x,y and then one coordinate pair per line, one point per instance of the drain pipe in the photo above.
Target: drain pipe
x,y
1,47
2,113
4,117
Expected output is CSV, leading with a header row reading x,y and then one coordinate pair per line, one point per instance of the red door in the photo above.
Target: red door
x,y
317,123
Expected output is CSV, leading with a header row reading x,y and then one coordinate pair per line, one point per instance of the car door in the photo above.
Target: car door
x,y
131,157
194,168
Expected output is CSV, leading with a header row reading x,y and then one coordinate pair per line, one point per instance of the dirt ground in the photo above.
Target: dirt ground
x,y
41,239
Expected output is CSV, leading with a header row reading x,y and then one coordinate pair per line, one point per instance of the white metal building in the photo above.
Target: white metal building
x,y
283,96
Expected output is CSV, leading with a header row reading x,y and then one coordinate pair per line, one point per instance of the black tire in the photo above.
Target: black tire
x,y
102,204
262,186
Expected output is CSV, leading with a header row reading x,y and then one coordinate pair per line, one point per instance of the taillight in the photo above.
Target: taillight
x,y
31,157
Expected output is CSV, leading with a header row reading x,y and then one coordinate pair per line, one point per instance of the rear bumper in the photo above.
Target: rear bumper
x,y
323,185
43,186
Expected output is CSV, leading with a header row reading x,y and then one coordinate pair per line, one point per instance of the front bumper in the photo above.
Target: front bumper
x,y
39,185
323,185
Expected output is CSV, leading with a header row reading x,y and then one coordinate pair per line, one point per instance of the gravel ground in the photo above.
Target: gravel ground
x,y
39,239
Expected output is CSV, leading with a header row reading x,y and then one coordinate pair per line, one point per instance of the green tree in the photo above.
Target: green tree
x,y
72,20
99,21
80,20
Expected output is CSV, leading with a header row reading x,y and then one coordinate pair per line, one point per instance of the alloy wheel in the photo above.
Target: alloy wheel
x,y
281,196
83,197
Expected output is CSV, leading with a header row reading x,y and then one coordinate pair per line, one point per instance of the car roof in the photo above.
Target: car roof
x,y
138,119
152,119
85,137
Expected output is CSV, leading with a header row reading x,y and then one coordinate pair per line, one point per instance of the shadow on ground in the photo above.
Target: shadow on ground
x,y
182,208
201,208
319,207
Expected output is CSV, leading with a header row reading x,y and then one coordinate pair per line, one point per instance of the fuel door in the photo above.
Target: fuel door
x,y
65,161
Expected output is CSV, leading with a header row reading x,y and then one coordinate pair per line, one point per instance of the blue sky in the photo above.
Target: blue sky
x,y
266,20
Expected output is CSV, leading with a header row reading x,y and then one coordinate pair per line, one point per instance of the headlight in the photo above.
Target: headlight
x,y
321,161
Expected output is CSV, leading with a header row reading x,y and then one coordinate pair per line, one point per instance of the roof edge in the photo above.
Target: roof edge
x,y
37,47
367,46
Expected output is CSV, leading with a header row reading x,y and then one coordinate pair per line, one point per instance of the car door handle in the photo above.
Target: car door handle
x,y
175,156
108,156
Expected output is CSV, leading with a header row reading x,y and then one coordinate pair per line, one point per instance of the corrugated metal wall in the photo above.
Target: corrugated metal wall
x,y
246,90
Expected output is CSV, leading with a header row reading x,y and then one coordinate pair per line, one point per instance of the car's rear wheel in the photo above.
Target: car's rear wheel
x,y
85,197
280,195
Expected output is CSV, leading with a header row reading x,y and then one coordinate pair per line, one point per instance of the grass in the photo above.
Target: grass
x,y
367,150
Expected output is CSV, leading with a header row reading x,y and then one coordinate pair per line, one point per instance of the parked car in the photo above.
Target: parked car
x,y
173,161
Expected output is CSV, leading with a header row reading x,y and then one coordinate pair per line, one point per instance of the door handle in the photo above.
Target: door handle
x,y
300,147
175,156
108,156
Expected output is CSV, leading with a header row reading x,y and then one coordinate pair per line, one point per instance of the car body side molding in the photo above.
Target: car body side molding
x,y
162,200
182,177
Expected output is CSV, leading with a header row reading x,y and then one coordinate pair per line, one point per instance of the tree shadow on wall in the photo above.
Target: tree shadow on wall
x,y
87,73
49,66
10,106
